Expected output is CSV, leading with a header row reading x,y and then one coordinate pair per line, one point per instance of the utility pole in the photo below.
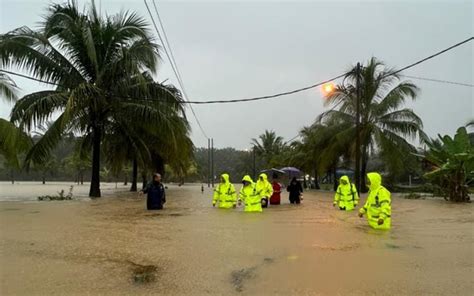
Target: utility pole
x,y
208,162
357,150
254,171
212,162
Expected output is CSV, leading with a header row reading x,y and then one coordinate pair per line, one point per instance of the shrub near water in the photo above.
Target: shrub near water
x,y
60,196
452,161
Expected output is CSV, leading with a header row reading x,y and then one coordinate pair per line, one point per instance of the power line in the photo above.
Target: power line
x,y
174,66
282,93
268,96
167,41
178,73
430,57
439,80
329,80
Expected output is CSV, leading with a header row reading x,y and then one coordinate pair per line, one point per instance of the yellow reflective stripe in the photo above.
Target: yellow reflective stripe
x,y
253,204
377,217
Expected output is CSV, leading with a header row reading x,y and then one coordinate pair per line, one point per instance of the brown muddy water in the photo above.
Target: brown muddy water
x,y
113,246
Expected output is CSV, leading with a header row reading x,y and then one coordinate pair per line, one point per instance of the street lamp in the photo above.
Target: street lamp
x,y
327,88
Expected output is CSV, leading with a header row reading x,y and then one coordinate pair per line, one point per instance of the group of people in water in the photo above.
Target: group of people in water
x,y
255,196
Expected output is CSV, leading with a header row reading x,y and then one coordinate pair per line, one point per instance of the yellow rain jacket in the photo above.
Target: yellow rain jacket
x,y
264,188
250,196
346,196
378,204
225,194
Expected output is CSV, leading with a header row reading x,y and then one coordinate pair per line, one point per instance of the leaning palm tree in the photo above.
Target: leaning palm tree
x,y
268,145
98,66
385,123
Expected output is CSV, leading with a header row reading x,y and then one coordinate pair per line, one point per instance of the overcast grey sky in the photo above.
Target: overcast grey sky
x,y
239,49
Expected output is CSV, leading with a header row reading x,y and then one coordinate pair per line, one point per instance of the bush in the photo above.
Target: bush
x,y
452,161
412,195
60,196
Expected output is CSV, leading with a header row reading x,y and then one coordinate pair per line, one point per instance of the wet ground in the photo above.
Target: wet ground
x,y
112,246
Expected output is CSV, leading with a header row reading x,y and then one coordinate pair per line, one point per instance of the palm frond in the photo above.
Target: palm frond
x,y
8,88
38,107
40,152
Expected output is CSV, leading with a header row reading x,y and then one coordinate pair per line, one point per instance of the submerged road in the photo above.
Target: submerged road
x,y
112,246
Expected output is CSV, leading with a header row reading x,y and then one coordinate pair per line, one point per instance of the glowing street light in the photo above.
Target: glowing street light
x,y
327,88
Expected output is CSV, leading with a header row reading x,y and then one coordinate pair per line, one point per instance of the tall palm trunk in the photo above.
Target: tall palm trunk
x,y
133,188
316,181
95,180
144,180
159,164
363,168
334,177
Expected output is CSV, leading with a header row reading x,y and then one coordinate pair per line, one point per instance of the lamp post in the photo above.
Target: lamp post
x,y
327,89
212,162
208,162
357,148
254,171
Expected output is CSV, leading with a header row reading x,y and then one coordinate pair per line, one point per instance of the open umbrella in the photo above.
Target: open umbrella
x,y
273,171
291,171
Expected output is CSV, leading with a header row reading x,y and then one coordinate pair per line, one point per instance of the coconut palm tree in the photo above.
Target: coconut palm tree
x,y
386,124
268,145
99,66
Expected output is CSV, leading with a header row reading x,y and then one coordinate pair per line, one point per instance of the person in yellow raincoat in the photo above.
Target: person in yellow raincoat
x,y
225,194
378,206
346,196
250,196
265,189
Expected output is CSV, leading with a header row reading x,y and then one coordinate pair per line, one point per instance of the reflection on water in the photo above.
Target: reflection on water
x,y
114,246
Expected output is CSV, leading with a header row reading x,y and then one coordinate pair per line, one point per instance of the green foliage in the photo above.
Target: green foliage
x,y
452,161
103,68
13,142
61,196
236,163
386,125
268,146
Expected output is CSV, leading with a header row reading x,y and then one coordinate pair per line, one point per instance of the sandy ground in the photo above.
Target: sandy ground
x,y
95,248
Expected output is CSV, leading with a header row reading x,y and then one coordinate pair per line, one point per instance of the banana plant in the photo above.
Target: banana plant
x,y
452,161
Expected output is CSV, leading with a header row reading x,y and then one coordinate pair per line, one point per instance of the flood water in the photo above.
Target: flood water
x,y
100,247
